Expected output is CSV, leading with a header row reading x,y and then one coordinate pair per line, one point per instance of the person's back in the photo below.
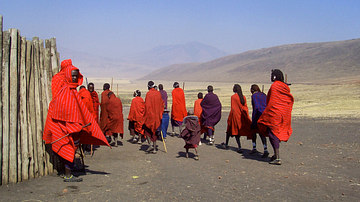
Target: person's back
x,y
103,106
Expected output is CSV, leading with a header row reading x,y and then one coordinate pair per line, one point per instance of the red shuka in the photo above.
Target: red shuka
x,y
103,107
66,115
136,113
96,104
239,120
58,80
86,98
178,109
154,108
115,119
197,112
277,114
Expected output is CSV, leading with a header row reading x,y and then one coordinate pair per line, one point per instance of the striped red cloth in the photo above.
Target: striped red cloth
x,y
277,114
136,113
115,119
58,80
86,98
66,115
178,108
103,105
239,122
96,104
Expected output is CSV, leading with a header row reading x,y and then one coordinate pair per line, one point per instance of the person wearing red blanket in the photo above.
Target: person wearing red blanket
x,y
136,116
154,108
198,112
191,133
238,123
178,107
103,106
95,100
66,123
276,118
86,98
58,80
115,120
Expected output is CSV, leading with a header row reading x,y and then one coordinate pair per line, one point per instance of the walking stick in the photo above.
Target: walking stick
x,y
162,137
69,134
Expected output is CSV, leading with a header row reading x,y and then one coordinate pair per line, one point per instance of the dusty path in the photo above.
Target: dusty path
x,y
320,163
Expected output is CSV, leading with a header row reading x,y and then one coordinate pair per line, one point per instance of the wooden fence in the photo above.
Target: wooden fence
x,y
27,67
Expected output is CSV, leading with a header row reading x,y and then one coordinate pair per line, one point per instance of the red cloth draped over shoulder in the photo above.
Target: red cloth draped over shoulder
x,y
58,80
136,113
66,115
96,104
115,119
178,109
239,121
277,114
86,98
103,106
154,108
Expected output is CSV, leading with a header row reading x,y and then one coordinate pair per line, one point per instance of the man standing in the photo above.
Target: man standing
x,y
103,106
154,107
86,98
136,117
69,123
178,108
211,113
115,120
95,100
198,112
165,118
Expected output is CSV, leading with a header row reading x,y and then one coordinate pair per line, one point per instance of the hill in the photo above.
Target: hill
x,y
326,62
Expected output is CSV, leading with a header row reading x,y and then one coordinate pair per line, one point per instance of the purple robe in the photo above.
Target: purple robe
x,y
211,113
164,97
191,133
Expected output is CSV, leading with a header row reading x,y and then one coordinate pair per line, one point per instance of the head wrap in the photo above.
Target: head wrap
x,y
176,85
68,76
65,64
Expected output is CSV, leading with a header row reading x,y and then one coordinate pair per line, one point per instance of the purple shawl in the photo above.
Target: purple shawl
x,y
164,97
211,113
191,133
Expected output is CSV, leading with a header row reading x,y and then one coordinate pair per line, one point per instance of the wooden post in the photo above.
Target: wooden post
x,y
111,83
30,108
262,88
38,108
117,90
183,85
54,56
1,121
6,107
285,78
23,114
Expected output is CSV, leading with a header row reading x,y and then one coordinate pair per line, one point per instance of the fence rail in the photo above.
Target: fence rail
x,y
27,67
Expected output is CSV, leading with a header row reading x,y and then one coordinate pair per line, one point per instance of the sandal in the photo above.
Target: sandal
x,y
254,151
150,149
266,154
225,146
72,179
273,158
239,151
275,162
196,157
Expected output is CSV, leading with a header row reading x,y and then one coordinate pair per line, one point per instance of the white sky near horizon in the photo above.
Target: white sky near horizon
x,y
115,28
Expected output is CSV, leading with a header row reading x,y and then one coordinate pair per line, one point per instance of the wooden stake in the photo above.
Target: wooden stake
x,y
183,85
23,114
1,121
5,107
30,108
54,56
285,78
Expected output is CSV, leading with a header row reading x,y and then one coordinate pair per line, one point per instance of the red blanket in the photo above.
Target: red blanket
x,y
277,114
136,113
103,107
239,120
86,98
96,104
178,109
115,119
66,115
58,80
154,108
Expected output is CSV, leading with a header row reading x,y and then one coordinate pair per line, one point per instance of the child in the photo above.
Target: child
x,y
191,133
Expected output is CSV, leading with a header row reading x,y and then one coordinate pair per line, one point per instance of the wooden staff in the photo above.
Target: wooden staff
x,y
5,107
23,114
183,85
162,137
1,115
69,134
38,108
13,166
30,108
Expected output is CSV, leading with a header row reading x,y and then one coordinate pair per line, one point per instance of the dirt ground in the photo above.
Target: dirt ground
x,y
320,163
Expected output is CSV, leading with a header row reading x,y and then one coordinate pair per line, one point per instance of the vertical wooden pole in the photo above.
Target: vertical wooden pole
x,y
18,135
38,108
30,108
1,122
6,106
117,90
112,80
285,78
23,114
54,56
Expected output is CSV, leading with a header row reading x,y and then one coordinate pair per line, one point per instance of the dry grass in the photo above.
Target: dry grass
x,y
310,100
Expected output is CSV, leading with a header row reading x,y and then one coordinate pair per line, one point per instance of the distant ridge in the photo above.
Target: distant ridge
x,y
327,62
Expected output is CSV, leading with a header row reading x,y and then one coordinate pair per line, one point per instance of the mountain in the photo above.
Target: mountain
x,y
326,62
138,65
174,54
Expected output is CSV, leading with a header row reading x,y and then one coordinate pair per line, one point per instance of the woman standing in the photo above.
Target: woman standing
x,y
276,118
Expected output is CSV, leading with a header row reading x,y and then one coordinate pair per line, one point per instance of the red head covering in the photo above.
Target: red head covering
x,y
65,63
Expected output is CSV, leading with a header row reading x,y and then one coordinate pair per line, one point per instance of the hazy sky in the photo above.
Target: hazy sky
x,y
116,28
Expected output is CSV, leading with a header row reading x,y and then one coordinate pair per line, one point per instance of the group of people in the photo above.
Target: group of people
x,y
73,117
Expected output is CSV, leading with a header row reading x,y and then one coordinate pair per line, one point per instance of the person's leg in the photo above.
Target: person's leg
x,y
187,153
196,154
275,142
116,135
132,130
227,137
112,142
253,138
211,136
237,138
154,145
263,140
